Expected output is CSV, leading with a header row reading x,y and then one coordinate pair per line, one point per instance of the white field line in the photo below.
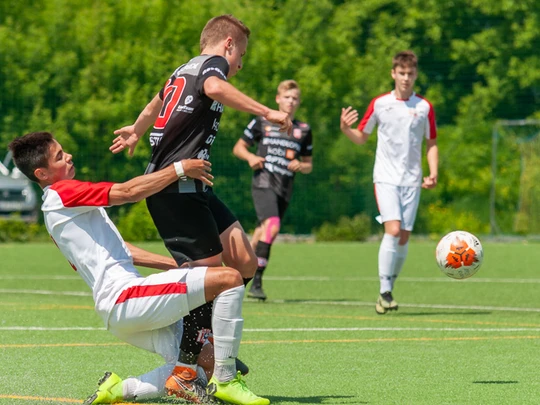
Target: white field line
x,y
279,330
45,292
441,279
342,303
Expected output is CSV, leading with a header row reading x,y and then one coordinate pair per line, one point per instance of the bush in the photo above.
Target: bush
x,y
441,220
138,225
356,229
17,230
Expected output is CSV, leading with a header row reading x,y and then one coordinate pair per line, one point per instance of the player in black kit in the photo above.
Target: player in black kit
x,y
190,218
278,158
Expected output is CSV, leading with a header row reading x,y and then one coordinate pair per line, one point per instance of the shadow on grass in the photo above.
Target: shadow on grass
x,y
330,399
334,400
495,382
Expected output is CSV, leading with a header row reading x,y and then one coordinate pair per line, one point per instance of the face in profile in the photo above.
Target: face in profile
x,y
234,55
60,166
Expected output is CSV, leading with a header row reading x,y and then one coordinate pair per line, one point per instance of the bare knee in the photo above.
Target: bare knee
x,y
230,278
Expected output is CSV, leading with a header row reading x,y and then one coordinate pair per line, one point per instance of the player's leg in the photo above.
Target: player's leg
x,y
410,199
187,226
256,237
270,208
225,286
237,251
388,201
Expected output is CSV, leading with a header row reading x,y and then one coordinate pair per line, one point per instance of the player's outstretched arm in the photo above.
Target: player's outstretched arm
x,y
151,260
242,152
128,136
146,185
349,117
224,92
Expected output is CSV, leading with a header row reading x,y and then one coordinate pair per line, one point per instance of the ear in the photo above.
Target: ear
x,y
41,174
229,43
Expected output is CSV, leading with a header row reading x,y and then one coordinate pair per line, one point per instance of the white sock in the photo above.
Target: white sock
x,y
149,385
227,325
401,255
387,259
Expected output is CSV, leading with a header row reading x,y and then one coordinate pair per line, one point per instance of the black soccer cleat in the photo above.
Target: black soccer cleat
x,y
256,292
385,303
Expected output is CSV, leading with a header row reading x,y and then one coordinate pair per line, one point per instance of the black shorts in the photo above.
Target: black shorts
x,y
268,203
190,223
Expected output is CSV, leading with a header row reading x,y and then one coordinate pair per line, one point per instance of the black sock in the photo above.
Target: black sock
x,y
197,326
262,250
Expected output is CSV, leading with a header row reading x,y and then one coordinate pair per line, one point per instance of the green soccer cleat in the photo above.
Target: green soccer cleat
x,y
385,303
234,392
109,390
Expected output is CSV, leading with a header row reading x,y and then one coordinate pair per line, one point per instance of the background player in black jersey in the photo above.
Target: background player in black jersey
x,y
278,158
190,218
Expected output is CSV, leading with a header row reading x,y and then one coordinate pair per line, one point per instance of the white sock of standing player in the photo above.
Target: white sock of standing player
x,y
387,260
227,326
401,255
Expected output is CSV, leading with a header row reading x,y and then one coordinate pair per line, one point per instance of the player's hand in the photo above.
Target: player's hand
x,y
348,117
429,182
256,162
126,138
198,169
295,165
281,118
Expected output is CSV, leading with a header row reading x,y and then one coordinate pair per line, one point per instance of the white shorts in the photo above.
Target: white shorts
x,y
149,311
397,203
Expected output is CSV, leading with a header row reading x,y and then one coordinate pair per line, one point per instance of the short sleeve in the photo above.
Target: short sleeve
x,y
253,132
216,66
74,193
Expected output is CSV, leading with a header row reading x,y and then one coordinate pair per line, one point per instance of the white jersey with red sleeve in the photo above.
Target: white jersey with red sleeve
x,y
401,128
82,230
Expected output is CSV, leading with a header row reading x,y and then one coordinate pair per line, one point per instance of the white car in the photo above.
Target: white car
x,y
17,195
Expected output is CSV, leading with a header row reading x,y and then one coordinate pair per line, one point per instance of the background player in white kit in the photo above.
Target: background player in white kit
x,y
143,311
403,119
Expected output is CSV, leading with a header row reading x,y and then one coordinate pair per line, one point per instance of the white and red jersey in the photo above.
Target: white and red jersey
x,y
402,125
82,230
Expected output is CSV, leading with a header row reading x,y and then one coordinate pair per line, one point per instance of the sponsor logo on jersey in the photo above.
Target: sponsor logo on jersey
x,y
203,154
284,143
297,133
215,125
189,99
275,151
217,106
215,69
413,112
188,66
185,109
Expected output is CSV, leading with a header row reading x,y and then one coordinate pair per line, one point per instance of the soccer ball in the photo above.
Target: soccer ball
x,y
459,254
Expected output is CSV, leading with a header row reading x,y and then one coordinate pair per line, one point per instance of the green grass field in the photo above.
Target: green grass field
x,y
317,340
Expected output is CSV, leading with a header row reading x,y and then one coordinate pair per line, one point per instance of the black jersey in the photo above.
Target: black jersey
x,y
278,149
188,122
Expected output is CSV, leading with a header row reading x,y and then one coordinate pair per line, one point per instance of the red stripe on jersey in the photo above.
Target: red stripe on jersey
x,y
431,118
141,291
74,193
369,112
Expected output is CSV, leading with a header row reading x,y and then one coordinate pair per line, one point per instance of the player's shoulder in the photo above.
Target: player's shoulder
x,y
195,65
304,126
422,100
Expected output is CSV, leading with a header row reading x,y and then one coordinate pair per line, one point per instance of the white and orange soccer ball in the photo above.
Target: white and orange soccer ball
x,y
459,254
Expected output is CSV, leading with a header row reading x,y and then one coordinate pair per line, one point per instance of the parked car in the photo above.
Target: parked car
x,y
17,195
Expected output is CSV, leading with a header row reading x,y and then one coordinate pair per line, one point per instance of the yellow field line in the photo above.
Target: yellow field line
x,y
289,341
393,319
375,340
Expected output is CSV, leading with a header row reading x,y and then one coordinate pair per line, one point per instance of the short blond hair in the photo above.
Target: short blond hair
x,y
286,85
221,27
405,59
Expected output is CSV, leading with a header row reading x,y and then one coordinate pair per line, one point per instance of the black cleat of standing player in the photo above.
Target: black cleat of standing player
x,y
256,292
